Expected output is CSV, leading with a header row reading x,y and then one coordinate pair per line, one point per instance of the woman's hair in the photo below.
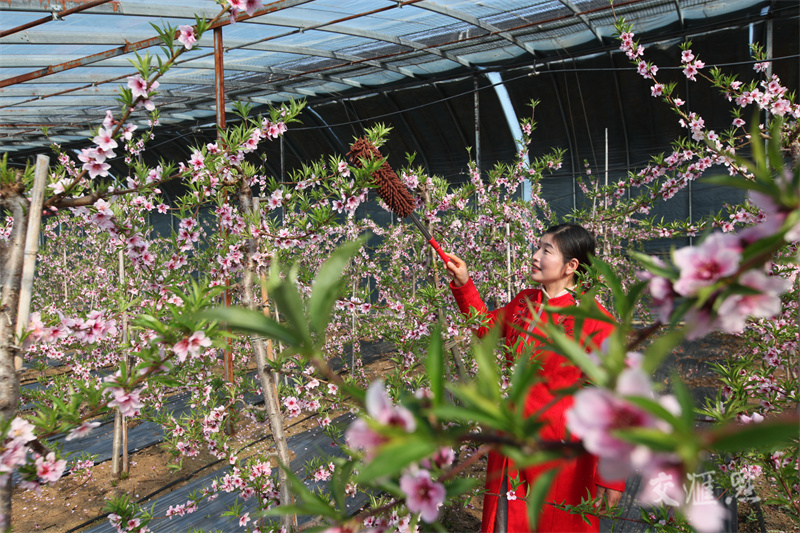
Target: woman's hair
x,y
574,242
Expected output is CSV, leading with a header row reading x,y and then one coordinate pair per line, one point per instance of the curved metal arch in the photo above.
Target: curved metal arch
x,y
365,34
583,18
447,102
274,20
474,21
116,39
203,64
407,126
334,141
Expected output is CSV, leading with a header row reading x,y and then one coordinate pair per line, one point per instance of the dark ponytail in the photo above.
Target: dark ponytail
x,y
574,242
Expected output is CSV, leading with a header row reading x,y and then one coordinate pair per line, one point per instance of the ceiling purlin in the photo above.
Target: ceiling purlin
x,y
576,12
298,29
69,38
469,19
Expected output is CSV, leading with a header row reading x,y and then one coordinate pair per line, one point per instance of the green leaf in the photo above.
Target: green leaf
x,y
306,501
328,282
767,245
397,455
656,409
754,436
460,486
524,458
621,298
684,399
522,378
487,380
434,364
338,483
252,322
659,350
472,397
739,182
289,302
654,439
573,351
466,414
538,493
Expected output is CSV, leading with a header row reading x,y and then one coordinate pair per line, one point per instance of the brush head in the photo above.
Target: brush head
x,y
391,190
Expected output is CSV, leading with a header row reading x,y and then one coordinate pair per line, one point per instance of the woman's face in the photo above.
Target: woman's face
x,y
548,265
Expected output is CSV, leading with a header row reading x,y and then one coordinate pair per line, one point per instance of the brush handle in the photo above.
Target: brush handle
x,y
429,237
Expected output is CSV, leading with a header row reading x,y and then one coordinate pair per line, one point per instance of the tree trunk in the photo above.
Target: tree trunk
x,y
271,401
12,278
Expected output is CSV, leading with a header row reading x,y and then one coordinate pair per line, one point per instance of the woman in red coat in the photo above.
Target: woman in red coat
x,y
563,251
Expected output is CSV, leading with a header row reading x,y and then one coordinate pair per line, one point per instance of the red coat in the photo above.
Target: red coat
x,y
575,476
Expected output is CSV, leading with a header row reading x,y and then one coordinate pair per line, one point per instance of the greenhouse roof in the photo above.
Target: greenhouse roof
x,y
64,61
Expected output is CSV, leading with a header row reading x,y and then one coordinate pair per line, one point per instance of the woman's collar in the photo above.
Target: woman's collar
x,y
563,292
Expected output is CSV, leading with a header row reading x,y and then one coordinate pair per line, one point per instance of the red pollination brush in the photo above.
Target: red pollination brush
x,y
391,189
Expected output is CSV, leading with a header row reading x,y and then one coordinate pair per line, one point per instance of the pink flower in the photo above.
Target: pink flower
x,y
423,495
657,90
13,456
197,160
663,297
244,519
187,36
597,413
191,345
249,6
104,140
380,407
733,312
662,485
21,430
756,418
361,436
444,457
49,469
707,516
139,86
96,168
701,266
687,56
761,67
128,403
82,430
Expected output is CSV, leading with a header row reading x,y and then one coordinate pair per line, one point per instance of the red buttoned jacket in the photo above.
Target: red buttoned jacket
x,y
575,476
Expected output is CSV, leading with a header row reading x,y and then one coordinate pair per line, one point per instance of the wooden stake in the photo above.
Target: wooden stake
x,y
31,247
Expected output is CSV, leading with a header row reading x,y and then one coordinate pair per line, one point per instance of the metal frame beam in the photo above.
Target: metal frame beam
x,y
55,16
583,18
298,26
70,38
469,19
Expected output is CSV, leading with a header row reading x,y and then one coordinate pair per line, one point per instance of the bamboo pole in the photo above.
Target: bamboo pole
x,y
606,246
265,302
31,248
11,275
116,444
354,333
271,400
509,295
119,442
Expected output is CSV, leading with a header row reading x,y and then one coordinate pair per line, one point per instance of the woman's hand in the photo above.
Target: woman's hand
x,y
612,498
457,269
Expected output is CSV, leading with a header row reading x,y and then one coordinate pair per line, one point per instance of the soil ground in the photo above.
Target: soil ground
x,y
73,502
